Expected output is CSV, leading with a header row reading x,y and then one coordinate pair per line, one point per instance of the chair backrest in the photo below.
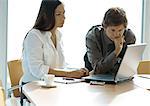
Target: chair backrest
x,y
15,72
144,67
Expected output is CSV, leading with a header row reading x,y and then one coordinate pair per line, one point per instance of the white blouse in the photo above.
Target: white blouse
x,y
40,54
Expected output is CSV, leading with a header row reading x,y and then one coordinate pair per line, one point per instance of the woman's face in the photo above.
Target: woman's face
x,y
59,16
114,31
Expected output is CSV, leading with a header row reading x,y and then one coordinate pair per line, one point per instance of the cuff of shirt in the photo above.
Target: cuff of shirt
x,y
45,71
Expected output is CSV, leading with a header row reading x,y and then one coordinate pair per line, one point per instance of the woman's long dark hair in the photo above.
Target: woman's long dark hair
x,y
46,18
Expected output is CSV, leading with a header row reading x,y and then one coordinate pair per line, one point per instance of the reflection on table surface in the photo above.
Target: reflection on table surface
x,y
79,94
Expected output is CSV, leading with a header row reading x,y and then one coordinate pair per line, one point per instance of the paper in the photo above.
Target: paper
x,y
65,80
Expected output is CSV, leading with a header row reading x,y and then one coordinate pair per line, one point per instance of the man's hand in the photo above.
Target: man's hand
x,y
118,44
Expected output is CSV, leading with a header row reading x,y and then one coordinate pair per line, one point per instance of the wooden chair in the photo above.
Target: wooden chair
x,y
15,72
144,67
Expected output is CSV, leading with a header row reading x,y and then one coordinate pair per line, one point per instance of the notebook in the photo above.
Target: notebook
x,y
65,80
127,68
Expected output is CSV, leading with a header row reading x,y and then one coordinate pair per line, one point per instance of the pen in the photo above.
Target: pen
x,y
65,78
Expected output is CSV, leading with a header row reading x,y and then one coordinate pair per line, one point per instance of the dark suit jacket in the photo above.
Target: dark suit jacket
x,y
100,50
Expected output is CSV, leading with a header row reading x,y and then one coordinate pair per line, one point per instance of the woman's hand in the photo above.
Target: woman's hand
x,y
78,73
85,71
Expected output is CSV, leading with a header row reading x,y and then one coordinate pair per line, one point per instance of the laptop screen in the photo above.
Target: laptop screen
x,y
131,58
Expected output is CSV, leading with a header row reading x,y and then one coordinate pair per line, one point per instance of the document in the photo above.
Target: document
x,y
66,80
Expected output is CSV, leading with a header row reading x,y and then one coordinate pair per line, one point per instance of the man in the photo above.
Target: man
x,y
106,44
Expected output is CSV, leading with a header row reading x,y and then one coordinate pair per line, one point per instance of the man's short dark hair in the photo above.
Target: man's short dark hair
x,y
114,16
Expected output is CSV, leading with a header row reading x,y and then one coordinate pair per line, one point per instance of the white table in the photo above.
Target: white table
x,y
143,81
83,94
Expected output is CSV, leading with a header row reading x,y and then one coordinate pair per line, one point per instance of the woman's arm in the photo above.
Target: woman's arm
x,y
33,55
69,73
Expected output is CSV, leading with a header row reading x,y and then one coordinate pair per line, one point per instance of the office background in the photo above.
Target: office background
x,y
18,16
80,16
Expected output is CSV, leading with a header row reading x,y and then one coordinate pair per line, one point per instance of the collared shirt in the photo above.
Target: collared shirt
x,y
40,54
100,50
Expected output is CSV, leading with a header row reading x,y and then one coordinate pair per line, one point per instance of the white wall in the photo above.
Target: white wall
x,y
3,41
80,16
21,17
146,29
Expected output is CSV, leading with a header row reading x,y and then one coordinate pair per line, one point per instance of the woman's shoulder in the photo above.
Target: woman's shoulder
x,y
36,34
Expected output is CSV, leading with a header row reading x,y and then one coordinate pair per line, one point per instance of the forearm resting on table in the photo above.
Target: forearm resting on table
x,y
69,73
58,73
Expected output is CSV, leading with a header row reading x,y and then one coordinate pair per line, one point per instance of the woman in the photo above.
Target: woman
x,y
106,44
42,53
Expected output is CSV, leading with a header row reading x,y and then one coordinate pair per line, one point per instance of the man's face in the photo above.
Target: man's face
x,y
114,32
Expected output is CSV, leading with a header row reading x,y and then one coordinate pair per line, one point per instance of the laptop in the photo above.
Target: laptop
x,y
127,68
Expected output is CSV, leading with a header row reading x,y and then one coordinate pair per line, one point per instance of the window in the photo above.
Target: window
x,y
21,17
80,16
3,42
